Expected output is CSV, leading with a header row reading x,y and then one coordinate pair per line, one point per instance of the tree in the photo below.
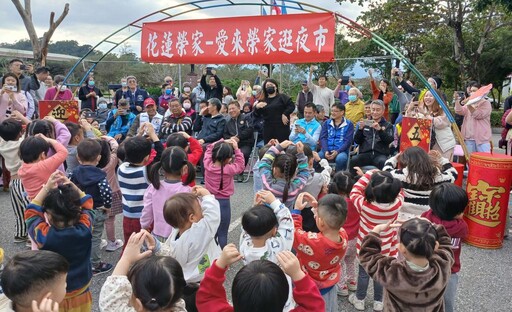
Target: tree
x,y
39,45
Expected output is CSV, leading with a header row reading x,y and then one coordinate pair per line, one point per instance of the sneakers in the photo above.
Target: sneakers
x,y
103,243
20,239
115,245
358,304
342,290
352,285
378,306
101,268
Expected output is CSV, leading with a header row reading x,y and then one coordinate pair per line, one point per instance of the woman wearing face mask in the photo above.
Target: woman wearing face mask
x,y
165,98
187,93
11,99
102,111
275,108
59,92
122,92
189,111
354,108
89,94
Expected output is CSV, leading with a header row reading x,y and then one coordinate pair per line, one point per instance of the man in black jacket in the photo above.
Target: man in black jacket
x,y
239,128
213,123
373,138
212,89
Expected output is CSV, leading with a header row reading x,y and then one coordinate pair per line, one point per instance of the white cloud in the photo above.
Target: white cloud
x,y
89,22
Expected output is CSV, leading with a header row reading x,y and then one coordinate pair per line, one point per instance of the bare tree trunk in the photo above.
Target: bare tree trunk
x,y
39,46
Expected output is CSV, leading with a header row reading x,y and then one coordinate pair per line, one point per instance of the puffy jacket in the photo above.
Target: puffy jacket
x,y
241,128
212,129
93,181
336,138
371,140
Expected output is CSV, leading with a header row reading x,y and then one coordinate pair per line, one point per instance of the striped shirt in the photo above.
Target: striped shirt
x,y
373,213
133,183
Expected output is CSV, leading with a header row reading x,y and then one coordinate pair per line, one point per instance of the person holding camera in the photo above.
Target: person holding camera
x,y
89,94
120,121
381,93
214,87
373,137
11,99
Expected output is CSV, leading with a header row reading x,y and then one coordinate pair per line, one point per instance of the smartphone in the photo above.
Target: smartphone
x,y
89,115
209,70
462,95
23,67
344,80
368,122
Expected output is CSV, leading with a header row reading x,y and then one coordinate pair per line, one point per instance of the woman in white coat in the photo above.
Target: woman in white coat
x,y
442,139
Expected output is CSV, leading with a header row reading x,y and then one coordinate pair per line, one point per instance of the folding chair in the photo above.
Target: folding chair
x,y
253,158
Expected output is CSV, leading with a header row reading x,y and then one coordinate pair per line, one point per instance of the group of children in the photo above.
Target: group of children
x,y
176,249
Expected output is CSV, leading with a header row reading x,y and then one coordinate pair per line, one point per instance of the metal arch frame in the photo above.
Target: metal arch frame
x,y
199,5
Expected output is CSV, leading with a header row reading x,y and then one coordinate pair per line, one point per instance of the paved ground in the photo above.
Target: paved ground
x,y
485,279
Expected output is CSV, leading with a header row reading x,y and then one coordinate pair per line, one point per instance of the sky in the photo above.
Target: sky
x,y
89,22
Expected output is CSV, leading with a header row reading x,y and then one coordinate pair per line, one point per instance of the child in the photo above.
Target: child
x,y
38,166
60,219
418,282
132,176
78,132
141,282
259,286
191,146
32,279
267,229
258,183
117,205
447,203
378,198
93,181
320,254
342,184
316,181
51,128
278,172
11,133
219,179
193,242
175,165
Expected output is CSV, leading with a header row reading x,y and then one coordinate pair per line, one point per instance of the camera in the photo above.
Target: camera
x,y
23,67
462,95
398,73
11,88
209,70
344,80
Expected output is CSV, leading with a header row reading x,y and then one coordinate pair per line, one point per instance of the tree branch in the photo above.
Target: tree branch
x,y
53,25
26,16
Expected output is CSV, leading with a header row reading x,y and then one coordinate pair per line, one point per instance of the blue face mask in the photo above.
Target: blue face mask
x,y
91,83
352,98
102,105
168,91
347,87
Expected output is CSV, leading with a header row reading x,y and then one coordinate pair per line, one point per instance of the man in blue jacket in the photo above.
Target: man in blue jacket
x,y
307,130
336,137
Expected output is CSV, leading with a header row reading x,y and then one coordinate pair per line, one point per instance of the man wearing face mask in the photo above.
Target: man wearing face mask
x,y
214,87
59,92
89,94
354,109
175,91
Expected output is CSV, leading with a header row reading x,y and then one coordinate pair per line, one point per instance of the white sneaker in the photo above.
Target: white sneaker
x,y
358,304
378,306
103,243
115,245
342,291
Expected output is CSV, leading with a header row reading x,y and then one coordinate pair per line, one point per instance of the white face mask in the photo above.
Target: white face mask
x,y
187,105
102,105
63,88
186,89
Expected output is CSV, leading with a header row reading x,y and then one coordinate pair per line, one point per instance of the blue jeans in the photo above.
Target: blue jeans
x,y
331,300
225,219
473,147
450,293
97,231
363,280
341,160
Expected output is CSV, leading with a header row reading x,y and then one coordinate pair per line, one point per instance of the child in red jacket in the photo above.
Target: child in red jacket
x,y
259,286
447,203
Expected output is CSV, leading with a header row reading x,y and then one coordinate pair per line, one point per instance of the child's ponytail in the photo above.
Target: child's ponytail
x,y
172,161
287,164
419,237
341,183
382,188
191,176
154,174
221,152
287,178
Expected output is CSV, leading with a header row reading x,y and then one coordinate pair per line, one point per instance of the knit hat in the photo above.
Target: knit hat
x,y
438,81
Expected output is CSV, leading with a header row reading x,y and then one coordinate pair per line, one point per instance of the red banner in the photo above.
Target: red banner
x,y
291,38
415,132
60,110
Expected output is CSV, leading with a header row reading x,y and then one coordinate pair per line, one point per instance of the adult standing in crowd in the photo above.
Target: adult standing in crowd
x,y
150,115
17,67
199,93
175,91
11,97
59,92
305,96
321,93
336,137
354,108
381,93
476,127
187,93
135,96
275,108
48,82
39,78
243,93
121,93
307,130
442,138
214,88
373,138
239,128
89,94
